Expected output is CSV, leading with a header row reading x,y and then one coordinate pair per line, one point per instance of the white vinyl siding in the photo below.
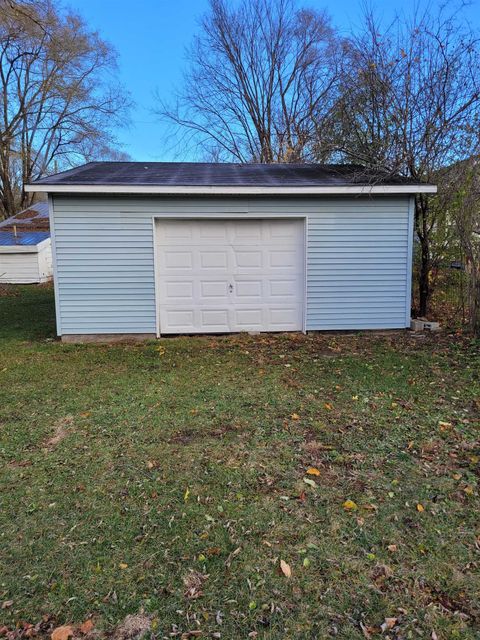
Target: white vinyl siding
x,y
26,265
357,257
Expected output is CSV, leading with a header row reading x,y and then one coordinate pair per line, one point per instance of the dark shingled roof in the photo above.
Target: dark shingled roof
x,y
221,174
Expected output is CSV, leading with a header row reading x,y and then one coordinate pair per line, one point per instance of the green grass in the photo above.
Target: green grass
x,y
190,454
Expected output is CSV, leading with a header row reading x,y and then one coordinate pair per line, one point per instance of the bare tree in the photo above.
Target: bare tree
x,y
260,82
410,104
461,202
59,100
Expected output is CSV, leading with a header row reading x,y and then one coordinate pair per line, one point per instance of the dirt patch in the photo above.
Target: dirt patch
x,y
189,435
193,582
8,291
132,628
60,431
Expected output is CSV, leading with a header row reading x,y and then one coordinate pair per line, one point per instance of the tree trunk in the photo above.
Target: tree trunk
x,y
423,233
424,289
475,304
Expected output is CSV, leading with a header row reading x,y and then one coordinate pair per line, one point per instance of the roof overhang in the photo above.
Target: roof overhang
x,y
231,190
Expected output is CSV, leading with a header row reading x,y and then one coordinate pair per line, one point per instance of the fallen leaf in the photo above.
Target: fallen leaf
x,y
186,494
313,471
468,490
7,604
310,482
62,633
367,631
392,548
389,623
295,416
286,569
420,507
214,551
350,505
445,426
123,565
86,626
328,406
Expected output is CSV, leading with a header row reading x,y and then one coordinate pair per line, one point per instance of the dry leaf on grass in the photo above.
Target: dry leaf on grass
x,y
389,623
350,505
62,633
86,626
313,471
286,569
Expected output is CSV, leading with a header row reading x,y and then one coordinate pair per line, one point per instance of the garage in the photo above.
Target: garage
x,y
218,276
147,249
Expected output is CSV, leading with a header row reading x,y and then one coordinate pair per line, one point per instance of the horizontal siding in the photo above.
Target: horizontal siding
x,y
356,258
19,268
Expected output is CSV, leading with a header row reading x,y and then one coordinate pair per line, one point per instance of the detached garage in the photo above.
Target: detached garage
x,y
149,249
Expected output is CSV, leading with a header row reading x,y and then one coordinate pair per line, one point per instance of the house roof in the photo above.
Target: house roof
x,y
233,178
26,228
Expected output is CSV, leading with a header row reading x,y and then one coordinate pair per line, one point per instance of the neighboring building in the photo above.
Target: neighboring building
x,y
146,249
25,246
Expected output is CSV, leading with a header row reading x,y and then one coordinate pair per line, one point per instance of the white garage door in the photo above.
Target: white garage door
x,y
216,276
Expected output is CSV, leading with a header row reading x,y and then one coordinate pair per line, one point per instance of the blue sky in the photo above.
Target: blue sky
x,y
151,37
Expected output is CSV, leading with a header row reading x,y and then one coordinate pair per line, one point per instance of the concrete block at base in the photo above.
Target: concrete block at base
x,y
431,326
107,338
416,325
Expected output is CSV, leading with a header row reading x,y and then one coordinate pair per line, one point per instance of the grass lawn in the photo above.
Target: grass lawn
x,y
171,477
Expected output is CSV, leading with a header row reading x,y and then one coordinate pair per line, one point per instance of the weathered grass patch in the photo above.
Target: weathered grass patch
x,y
126,468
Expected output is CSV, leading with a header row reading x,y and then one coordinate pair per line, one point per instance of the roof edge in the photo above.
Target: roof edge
x,y
106,189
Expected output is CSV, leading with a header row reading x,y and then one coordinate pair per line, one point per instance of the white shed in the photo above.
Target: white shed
x,y
148,249
25,247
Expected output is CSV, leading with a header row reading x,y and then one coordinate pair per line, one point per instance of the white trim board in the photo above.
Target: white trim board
x,y
24,248
232,190
58,315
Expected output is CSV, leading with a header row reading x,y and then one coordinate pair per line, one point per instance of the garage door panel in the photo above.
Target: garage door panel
x,y
283,229
215,319
212,259
230,275
206,230
177,260
214,290
284,287
178,318
179,291
282,259
247,260
284,318
248,290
